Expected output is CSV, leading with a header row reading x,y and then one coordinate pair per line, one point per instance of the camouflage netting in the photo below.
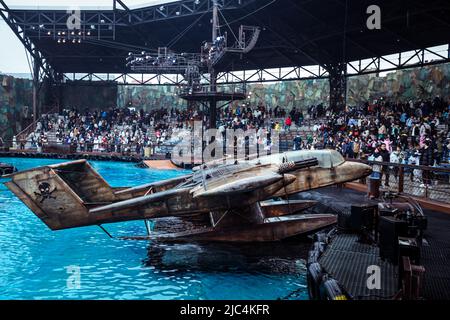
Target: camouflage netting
x,y
148,97
417,83
16,100
422,83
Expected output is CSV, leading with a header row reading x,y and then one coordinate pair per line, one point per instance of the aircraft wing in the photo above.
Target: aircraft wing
x,y
236,184
253,178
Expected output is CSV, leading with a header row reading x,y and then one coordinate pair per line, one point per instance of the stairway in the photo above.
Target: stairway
x,y
286,138
51,137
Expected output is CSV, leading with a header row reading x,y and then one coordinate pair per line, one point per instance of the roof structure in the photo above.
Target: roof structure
x,y
293,32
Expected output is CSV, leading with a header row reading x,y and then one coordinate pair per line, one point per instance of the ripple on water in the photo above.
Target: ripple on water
x,y
34,260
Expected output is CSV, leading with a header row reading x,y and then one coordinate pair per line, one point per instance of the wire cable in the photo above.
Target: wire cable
x,y
228,25
175,40
29,64
251,13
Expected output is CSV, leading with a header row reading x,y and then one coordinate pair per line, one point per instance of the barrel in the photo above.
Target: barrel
x,y
374,187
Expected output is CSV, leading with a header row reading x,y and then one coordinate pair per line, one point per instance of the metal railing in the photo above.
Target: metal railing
x,y
88,147
430,182
207,89
32,126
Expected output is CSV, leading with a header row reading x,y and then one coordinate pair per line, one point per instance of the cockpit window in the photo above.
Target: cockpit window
x,y
326,158
336,158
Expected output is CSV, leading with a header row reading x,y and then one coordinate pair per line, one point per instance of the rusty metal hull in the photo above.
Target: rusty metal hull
x,y
234,199
273,209
274,229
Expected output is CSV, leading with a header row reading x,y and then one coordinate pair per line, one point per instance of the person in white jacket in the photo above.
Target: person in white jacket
x,y
396,157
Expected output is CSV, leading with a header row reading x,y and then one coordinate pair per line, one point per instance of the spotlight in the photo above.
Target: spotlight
x,y
92,27
63,40
79,33
196,1
59,33
88,33
59,40
72,33
161,8
73,41
79,40
49,33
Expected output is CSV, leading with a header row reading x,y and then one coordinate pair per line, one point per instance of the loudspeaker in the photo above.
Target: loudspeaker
x,y
362,217
390,229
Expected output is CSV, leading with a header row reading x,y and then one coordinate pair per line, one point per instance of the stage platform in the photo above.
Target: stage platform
x,y
160,164
346,259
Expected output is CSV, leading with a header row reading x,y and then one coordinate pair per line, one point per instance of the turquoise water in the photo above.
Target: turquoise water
x,y
34,261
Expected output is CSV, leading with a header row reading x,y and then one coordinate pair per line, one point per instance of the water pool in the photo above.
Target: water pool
x,y
34,261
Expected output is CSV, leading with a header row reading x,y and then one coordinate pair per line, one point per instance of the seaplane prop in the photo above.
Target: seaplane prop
x,y
238,202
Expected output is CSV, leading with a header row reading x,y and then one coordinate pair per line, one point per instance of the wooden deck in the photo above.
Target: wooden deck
x,y
161,164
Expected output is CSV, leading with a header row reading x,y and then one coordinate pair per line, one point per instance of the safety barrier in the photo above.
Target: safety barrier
x,y
429,182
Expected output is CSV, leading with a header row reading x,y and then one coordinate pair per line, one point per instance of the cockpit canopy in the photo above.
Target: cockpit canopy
x,y
326,158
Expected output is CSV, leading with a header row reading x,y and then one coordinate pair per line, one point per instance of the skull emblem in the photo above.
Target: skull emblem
x,y
45,192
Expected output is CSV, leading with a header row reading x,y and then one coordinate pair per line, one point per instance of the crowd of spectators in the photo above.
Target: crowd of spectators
x,y
413,132
120,130
125,130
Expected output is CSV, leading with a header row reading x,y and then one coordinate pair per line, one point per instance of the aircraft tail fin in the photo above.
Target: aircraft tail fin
x,y
62,194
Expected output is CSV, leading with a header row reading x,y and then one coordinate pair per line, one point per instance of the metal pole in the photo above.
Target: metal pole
x,y
215,20
35,88
212,73
401,178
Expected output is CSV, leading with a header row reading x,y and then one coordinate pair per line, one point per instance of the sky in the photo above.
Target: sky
x,y
12,53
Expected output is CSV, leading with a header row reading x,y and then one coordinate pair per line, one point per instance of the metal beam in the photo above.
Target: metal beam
x,y
398,64
281,74
56,19
38,58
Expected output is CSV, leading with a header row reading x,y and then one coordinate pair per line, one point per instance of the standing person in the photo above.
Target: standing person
x,y
349,151
386,158
414,159
356,148
415,133
297,142
426,159
396,157
376,168
288,123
